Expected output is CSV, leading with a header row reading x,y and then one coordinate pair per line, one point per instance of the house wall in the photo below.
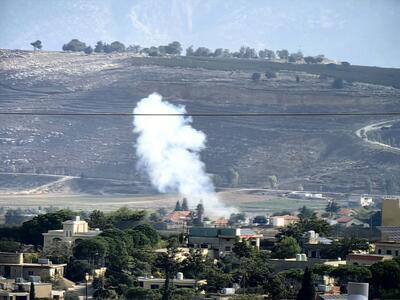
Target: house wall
x,y
391,212
388,249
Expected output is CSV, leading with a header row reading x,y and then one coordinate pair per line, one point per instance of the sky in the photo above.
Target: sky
x,y
363,32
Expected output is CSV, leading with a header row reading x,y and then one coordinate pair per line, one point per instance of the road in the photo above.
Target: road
x,y
376,126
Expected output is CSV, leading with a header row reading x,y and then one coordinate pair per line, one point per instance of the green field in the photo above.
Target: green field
x,y
279,204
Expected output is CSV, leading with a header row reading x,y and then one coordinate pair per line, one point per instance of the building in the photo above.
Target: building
x,y
360,200
391,212
388,248
178,282
12,266
314,245
220,240
282,221
73,231
9,288
350,221
358,259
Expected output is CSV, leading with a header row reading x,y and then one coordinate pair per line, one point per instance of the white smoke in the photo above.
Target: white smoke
x,y
168,150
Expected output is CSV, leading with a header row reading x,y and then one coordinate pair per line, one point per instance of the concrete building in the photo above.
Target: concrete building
x,y
16,290
391,212
282,221
358,259
361,200
12,266
178,282
220,240
388,248
73,231
314,245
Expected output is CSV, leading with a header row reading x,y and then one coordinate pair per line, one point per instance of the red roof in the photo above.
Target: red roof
x,y
369,257
344,219
221,222
178,216
345,212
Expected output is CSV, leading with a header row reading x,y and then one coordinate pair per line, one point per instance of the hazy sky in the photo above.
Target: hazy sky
x,y
363,32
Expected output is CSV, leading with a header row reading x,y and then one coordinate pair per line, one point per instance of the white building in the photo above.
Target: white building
x,y
362,200
73,231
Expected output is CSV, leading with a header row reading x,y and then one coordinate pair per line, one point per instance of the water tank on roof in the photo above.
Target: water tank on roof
x,y
228,291
34,278
44,261
179,276
303,257
298,257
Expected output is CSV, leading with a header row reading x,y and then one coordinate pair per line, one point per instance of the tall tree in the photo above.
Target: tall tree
x,y
32,295
185,206
332,207
307,291
178,206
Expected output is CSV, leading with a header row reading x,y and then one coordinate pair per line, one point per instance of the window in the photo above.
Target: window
x,y
379,251
30,273
154,286
389,252
141,283
227,248
397,252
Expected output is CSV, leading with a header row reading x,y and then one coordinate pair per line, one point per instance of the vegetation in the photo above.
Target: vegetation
x,y
37,45
74,45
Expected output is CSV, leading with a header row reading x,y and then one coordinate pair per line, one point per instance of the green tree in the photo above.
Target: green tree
x,y
385,279
307,291
71,295
178,206
99,47
190,51
338,83
195,264
185,206
276,287
88,50
32,295
77,269
150,233
168,264
36,45
74,45
332,207
10,246
241,249
97,219
117,47
282,54
286,248
273,181
94,250
32,230
294,57
305,212
217,280
346,273
174,48
256,76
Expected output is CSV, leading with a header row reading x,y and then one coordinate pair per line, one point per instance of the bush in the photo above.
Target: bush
x,y
338,83
71,296
256,76
270,74
74,45
88,50
345,64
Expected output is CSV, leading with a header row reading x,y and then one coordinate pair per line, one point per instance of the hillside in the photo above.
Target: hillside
x,y
321,153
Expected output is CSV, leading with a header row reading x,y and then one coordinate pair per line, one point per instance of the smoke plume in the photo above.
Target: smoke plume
x,y
168,150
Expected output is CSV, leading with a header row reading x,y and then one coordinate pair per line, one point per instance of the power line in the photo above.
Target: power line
x,y
217,114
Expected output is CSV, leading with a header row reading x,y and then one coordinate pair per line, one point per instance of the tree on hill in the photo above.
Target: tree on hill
x,y
74,45
282,54
273,181
99,47
332,207
307,290
36,45
178,206
185,206
256,76
117,47
294,57
189,51
338,83
202,51
174,48
89,50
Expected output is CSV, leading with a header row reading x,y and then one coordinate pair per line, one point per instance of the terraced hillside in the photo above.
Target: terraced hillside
x,y
321,153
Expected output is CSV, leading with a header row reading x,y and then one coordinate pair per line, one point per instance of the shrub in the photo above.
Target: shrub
x,y
256,76
338,83
89,50
345,64
270,74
